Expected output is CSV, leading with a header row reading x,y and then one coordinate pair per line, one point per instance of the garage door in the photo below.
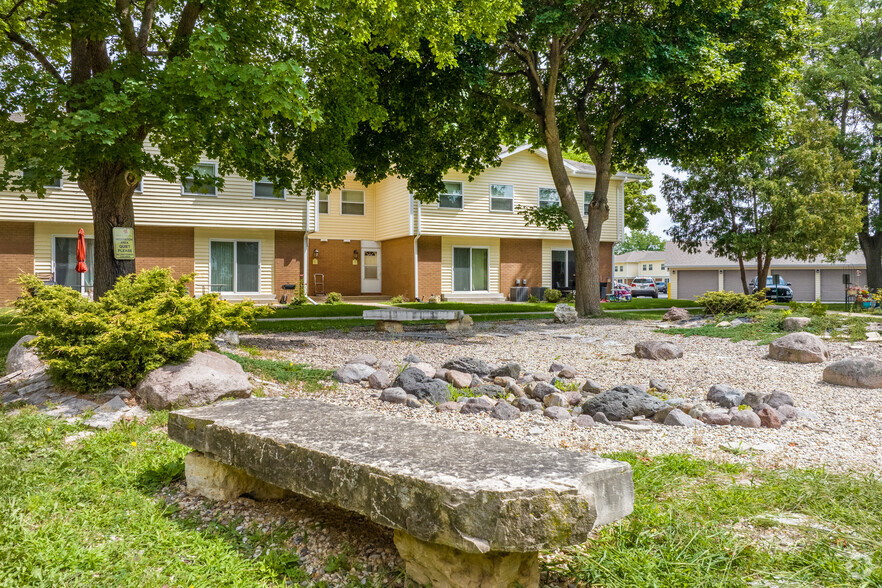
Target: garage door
x,y
801,281
832,289
732,280
692,283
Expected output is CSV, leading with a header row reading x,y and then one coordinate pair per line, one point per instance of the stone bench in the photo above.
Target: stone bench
x,y
389,320
466,509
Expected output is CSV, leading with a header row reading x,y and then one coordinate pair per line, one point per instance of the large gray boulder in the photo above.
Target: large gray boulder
x,y
659,350
676,314
203,379
416,382
564,313
353,373
799,348
623,403
469,365
795,323
540,390
725,395
21,358
508,370
855,372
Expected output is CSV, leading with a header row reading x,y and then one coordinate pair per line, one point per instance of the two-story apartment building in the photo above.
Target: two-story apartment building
x,y
640,264
249,239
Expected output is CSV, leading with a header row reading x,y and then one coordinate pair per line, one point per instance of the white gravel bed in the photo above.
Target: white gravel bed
x,y
845,436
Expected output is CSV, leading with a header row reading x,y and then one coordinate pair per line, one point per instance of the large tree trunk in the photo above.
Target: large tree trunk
x,y
110,190
744,279
871,245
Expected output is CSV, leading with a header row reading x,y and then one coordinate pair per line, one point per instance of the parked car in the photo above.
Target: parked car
x,y
662,287
781,292
644,287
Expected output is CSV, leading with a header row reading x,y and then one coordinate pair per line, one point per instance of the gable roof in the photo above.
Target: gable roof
x,y
638,256
676,258
576,168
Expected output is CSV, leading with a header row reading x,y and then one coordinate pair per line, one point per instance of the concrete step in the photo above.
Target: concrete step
x,y
474,297
256,298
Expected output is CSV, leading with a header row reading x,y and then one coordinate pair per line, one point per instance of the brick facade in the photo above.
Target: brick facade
x,y
335,262
519,259
16,257
429,251
289,261
397,262
170,247
605,261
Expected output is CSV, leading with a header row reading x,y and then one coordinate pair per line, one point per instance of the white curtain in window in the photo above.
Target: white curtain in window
x,y
222,255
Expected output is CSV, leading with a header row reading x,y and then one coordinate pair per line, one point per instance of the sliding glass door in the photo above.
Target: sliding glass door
x,y
65,264
471,270
235,266
563,269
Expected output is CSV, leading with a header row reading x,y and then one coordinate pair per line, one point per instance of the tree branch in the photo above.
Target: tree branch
x,y
124,14
511,104
181,40
14,8
146,25
529,60
583,24
36,54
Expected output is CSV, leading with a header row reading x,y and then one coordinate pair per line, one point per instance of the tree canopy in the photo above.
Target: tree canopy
x,y
792,199
639,241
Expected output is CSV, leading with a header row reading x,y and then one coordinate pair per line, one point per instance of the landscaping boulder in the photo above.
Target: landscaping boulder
x,y
508,370
659,385
505,412
204,378
412,401
564,313
717,416
769,418
353,373
491,390
855,372
526,404
416,382
755,400
459,379
476,405
676,314
448,407
543,377
778,399
515,390
567,373
441,374
21,358
469,365
725,395
787,413
557,413
556,399
411,358
745,418
541,389
394,395
592,387
600,418
426,368
661,414
365,358
584,420
799,348
574,397
795,323
622,403
379,380
658,350
388,366
678,418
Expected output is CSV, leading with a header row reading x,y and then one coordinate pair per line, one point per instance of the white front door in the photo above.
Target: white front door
x,y
370,271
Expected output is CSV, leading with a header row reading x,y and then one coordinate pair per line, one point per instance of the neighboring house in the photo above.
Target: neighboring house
x,y
640,264
249,239
693,274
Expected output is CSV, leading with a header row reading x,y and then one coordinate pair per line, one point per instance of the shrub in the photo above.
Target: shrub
x,y
334,298
532,299
400,299
571,297
723,302
146,321
552,295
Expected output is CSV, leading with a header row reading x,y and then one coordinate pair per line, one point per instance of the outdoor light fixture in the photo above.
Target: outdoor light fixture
x,y
355,257
315,257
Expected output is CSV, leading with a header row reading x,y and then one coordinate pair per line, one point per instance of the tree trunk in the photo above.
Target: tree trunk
x,y
763,262
744,279
110,190
871,245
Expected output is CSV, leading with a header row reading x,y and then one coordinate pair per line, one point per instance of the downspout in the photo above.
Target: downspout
x,y
416,252
306,251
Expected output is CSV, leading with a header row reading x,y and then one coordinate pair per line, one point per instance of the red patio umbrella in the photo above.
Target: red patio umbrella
x,y
81,252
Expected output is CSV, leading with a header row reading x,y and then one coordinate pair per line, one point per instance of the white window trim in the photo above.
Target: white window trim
x,y
318,202
568,253
490,203
235,265
539,195
50,186
363,203
461,195
184,193
53,236
452,268
584,203
254,192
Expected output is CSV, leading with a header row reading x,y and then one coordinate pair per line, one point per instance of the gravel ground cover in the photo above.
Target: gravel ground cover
x,y
844,435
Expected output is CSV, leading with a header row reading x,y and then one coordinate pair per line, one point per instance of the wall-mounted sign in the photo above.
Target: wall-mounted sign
x,y
123,243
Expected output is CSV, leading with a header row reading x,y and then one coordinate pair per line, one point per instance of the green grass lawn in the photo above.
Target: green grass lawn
x,y
648,303
319,310
284,371
649,314
88,514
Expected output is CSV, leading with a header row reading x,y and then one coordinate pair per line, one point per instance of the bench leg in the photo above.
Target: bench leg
x,y
441,566
217,481
460,325
389,327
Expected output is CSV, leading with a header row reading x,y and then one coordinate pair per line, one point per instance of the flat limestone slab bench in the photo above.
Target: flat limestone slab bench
x,y
467,510
389,320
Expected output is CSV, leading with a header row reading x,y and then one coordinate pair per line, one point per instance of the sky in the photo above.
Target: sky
x,y
658,223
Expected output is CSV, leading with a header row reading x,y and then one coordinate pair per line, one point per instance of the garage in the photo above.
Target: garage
x,y
732,280
832,288
693,283
802,282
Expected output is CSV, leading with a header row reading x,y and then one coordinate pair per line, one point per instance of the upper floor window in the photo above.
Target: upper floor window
x,y
587,197
352,202
54,183
644,267
650,267
323,202
266,189
452,196
663,266
548,197
502,197
193,188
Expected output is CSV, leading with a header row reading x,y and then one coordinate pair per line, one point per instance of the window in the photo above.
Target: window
x,y
548,197
563,269
234,266
587,197
470,269
644,267
265,189
323,200
140,187
64,263
55,183
352,202
192,188
663,267
650,267
452,196
502,197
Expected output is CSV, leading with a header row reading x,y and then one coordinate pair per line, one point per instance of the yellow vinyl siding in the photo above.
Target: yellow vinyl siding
x,y
393,209
527,172
548,245
335,225
447,245
203,236
43,233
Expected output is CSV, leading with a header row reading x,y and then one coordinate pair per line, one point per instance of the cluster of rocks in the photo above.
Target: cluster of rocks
x,y
802,347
